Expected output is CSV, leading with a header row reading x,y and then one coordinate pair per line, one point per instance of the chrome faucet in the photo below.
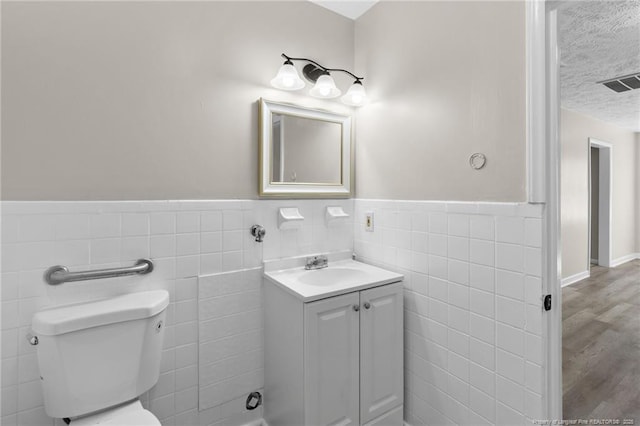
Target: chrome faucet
x,y
316,262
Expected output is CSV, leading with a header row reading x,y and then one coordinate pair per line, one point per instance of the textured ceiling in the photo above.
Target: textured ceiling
x,y
600,40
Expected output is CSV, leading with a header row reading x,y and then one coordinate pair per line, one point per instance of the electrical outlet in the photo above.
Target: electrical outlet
x,y
368,221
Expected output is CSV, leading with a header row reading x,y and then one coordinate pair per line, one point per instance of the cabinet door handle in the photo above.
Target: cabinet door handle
x,y
367,305
356,308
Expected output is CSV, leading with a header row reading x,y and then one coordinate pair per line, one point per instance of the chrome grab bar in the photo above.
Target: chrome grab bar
x,y
60,274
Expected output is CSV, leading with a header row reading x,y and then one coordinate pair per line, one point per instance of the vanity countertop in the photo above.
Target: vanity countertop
x,y
340,277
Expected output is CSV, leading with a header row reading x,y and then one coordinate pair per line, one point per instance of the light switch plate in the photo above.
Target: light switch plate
x,y
368,221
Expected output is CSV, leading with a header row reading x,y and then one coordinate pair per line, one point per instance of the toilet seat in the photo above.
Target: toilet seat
x,y
130,414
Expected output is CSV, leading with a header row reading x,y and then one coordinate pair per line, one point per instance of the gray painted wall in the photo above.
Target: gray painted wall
x,y
446,80
576,129
149,100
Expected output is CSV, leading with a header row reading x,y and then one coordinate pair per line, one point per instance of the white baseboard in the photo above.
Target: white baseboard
x,y
594,261
575,278
624,259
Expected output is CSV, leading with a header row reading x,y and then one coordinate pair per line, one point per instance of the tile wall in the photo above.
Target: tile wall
x,y
473,306
186,240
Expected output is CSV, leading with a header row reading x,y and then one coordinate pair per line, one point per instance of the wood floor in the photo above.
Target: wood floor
x,y
601,345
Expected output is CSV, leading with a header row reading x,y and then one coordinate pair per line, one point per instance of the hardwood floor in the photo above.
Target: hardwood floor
x,y
601,345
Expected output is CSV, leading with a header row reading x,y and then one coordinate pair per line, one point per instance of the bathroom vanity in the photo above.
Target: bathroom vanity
x,y
333,344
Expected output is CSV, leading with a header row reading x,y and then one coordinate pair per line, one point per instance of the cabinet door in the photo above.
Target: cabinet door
x,y
331,355
381,375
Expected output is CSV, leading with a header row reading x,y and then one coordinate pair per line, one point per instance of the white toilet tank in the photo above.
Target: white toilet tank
x,y
99,354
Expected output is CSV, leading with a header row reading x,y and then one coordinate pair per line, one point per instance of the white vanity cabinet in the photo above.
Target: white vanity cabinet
x,y
334,361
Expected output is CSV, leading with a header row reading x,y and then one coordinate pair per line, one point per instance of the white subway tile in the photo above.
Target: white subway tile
x,y
482,277
419,242
458,225
510,257
458,272
438,311
482,353
510,312
534,319
438,267
533,377
533,261
163,223
533,290
419,221
9,316
458,248
482,252
187,222
186,355
135,224
232,220
30,395
134,248
438,244
459,319
211,221
510,230
510,366
458,366
162,245
459,295
438,223
10,227
510,339
482,227
36,416
533,405
210,263
533,232
510,394
105,250
481,302
533,348
438,289
482,328
37,228
187,244
482,378
104,225
187,266
458,343
510,284
482,404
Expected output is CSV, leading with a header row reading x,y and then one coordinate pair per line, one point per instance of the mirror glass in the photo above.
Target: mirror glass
x,y
304,152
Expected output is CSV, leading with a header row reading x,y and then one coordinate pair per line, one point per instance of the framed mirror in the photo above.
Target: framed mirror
x,y
304,152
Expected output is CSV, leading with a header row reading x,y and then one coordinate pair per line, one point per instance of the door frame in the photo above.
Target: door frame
x,y
605,201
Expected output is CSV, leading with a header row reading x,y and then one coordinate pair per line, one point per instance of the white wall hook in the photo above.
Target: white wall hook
x,y
289,217
334,213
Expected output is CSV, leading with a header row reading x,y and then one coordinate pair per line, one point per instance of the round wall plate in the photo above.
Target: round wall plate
x,y
477,160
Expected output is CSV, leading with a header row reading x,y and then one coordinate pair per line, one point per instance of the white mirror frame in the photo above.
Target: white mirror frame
x,y
300,189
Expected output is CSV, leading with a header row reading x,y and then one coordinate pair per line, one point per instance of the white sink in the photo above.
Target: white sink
x,y
341,276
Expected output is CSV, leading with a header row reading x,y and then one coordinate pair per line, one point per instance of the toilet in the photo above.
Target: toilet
x,y
97,358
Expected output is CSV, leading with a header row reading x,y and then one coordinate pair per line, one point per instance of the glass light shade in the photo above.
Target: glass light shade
x,y
355,96
325,88
287,78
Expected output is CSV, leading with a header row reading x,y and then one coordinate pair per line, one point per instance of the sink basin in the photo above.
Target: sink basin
x,y
330,276
340,277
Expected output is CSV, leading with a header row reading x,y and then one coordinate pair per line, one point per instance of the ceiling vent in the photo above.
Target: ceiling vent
x,y
624,83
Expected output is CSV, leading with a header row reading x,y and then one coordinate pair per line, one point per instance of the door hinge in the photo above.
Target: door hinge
x,y
547,302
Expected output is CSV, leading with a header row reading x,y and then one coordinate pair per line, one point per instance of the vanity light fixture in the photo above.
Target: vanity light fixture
x,y
325,88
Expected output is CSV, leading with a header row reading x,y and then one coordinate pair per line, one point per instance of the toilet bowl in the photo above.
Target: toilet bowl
x,y
97,358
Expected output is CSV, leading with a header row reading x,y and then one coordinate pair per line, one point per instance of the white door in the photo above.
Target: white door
x,y
381,338
331,361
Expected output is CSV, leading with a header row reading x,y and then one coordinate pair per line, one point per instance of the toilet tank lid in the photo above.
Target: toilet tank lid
x,y
127,307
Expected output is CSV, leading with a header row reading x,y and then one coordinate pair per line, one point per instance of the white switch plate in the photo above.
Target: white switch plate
x,y
368,221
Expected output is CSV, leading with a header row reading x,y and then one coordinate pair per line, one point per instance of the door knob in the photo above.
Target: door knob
x,y
367,305
356,308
